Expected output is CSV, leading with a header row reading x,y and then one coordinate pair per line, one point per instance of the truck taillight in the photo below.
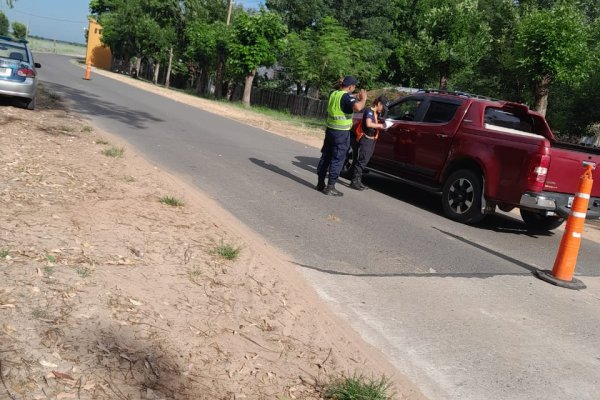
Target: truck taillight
x,y
538,170
26,72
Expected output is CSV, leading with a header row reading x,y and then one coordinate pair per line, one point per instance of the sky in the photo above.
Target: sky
x,y
62,19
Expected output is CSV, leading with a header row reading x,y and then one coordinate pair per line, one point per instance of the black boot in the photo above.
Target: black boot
x,y
357,183
330,190
321,184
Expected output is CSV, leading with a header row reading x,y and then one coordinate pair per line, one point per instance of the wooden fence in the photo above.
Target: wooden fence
x,y
296,105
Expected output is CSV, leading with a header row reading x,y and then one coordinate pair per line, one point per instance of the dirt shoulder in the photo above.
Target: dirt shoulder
x,y
106,293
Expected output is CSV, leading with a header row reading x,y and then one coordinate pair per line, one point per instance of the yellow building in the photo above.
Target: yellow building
x,y
97,54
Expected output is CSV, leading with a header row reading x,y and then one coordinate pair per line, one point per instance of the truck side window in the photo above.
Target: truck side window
x,y
507,119
405,110
440,112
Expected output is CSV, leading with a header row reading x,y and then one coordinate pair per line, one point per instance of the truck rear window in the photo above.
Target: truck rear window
x,y
506,119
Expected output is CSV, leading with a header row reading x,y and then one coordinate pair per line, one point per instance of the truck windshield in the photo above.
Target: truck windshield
x,y
506,119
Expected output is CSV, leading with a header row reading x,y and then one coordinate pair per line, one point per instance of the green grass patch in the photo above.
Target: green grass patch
x,y
358,387
40,313
194,273
128,178
4,253
227,251
51,46
49,270
51,258
285,116
84,272
101,141
87,129
52,95
171,201
115,152
66,128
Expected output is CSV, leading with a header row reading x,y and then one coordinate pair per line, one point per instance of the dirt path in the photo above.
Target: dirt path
x,y
106,293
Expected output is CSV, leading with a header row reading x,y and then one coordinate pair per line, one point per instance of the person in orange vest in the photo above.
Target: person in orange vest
x,y
364,139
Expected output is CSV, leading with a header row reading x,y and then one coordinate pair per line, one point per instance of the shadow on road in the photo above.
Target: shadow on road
x,y
280,171
427,201
88,104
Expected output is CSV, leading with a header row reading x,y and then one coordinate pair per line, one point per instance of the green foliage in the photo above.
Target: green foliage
x,y
227,251
553,43
171,201
358,387
19,30
114,152
451,36
256,38
4,24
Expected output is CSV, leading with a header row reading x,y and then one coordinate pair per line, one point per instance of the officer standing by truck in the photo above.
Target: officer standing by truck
x,y
340,110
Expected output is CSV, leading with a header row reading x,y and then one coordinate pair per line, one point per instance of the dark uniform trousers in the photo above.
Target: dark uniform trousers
x,y
362,151
333,154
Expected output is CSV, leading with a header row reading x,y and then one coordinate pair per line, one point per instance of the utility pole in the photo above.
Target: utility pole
x,y
221,62
229,7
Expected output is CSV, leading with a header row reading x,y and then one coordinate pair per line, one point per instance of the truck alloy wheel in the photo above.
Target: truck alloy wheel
x,y
461,197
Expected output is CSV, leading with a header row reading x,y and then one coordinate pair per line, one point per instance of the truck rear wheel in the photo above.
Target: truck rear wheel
x,y
461,197
538,221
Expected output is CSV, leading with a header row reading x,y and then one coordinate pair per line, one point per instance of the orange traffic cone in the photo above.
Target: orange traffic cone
x,y
566,259
88,71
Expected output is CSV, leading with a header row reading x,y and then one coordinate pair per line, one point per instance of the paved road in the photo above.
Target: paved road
x,y
455,307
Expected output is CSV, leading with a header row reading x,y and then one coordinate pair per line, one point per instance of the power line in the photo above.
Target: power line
x,y
49,18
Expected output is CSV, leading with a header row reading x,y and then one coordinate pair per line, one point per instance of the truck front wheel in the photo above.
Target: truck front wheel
x,y
540,222
461,197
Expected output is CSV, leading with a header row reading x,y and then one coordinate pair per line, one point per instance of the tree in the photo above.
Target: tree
x,y
299,15
19,30
254,43
204,43
552,45
294,60
4,24
451,36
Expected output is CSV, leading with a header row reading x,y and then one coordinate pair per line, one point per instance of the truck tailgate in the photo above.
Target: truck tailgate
x,y
566,168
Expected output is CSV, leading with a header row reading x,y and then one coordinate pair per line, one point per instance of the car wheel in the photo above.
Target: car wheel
x,y
29,104
538,221
461,197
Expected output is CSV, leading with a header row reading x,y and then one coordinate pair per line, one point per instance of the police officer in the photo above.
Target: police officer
x,y
340,110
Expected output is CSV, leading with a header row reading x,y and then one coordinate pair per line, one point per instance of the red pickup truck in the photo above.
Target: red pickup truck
x,y
480,154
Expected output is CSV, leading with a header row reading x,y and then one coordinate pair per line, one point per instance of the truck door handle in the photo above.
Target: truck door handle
x,y
441,136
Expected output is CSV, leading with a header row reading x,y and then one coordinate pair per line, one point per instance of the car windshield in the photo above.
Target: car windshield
x,y
13,52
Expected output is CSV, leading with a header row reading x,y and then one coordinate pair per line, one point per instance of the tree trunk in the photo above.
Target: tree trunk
x,y
444,72
542,89
298,88
156,72
168,78
202,85
220,75
248,88
138,65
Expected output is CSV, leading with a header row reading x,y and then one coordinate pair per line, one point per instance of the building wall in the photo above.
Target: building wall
x,y
97,54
